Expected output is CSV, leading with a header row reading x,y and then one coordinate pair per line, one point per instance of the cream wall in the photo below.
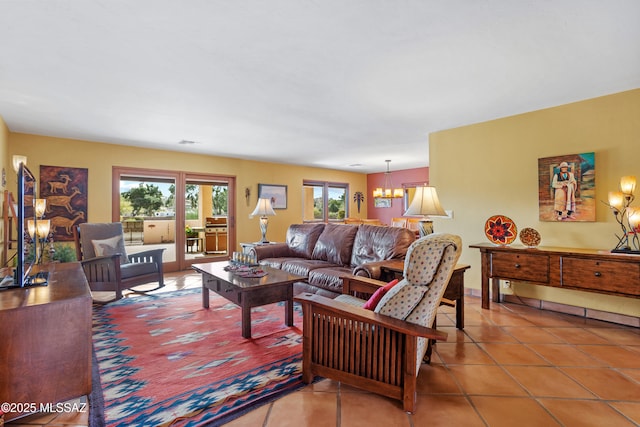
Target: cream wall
x,y
491,168
99,158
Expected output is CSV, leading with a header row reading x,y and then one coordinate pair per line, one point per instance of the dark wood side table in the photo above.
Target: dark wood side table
x,y
246,247
453,293
45,340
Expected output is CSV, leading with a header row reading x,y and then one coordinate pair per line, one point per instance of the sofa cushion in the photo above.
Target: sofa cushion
x,y
329,278
303,267
275,262
138,269
302,287
373,243
302,238
335,243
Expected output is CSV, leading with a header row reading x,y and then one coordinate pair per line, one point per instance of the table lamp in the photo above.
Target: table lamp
x,y
425,202
264,209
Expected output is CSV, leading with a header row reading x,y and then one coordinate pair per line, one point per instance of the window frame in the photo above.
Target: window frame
x,y
326,185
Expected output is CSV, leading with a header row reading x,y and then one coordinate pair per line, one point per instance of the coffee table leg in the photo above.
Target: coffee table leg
x,y
288,312
246,319
205,294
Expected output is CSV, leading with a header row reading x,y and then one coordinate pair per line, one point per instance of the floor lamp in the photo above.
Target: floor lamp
x,y
425,202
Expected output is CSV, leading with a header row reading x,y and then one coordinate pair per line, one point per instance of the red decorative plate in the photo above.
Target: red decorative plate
x,y
500,230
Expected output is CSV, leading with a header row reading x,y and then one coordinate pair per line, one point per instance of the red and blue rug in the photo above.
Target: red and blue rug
x,y
166,361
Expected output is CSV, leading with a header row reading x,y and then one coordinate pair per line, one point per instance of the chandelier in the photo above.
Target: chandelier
x,y
388,192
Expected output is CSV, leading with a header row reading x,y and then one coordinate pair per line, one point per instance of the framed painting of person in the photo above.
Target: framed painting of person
x,y
567,188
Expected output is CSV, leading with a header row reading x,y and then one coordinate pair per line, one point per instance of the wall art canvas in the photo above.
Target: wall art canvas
x,y
567,188
65,190
277,194
380,202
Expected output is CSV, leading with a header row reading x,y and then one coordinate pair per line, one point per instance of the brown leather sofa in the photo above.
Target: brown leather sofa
x,y
325,253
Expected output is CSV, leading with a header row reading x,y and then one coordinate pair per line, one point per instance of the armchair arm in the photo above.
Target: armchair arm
x,y
152,255
353,285
349,312
272,250
370,269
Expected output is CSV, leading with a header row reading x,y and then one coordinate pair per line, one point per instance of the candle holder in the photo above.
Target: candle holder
x,y
626,216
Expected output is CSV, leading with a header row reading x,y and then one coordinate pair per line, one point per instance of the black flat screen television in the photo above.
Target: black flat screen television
x,y
22,274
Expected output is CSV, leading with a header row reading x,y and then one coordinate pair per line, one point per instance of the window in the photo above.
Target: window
x,y
325,201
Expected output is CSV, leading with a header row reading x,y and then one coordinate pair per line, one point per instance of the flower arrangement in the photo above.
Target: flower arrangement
x,y
190,232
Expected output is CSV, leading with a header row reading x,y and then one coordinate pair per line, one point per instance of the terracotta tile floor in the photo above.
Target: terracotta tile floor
x,y
511,366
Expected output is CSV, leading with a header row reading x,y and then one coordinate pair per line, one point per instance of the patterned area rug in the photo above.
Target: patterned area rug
x,y
165,360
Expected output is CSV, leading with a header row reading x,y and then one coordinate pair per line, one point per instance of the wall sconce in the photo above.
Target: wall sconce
x,y
264,209
16,160
627,217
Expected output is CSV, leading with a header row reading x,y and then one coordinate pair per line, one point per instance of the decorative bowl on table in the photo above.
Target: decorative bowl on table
x,y
530,237
500,230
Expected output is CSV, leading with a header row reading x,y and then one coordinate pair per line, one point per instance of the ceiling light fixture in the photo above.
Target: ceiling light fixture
x,y
388,192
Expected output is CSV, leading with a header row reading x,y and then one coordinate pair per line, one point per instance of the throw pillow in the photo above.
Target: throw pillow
x,y
110,246
372,302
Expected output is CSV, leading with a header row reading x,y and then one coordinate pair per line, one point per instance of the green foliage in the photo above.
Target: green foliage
x,y
219,194
63,253
146,198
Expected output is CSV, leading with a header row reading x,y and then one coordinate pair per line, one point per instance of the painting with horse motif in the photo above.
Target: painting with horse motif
x,y
65,190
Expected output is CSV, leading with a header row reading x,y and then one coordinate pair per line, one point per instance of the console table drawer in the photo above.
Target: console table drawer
x,y
528,267
610,276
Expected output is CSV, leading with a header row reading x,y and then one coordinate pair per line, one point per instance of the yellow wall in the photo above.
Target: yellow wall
x,y
99,158
6,167
491,168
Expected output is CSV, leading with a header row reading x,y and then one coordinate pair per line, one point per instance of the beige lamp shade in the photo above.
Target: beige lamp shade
x,y
263,208
40,206
628,185
425,202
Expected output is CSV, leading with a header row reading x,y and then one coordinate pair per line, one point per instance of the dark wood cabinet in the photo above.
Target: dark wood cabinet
x,y
45,340
570,268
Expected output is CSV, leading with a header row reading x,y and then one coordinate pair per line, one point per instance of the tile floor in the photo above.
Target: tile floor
x,y
511,366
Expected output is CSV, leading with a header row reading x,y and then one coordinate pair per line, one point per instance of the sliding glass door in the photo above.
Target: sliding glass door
x,y
208,218
191,216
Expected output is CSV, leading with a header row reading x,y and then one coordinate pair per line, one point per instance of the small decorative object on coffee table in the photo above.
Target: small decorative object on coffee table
x,y
500,230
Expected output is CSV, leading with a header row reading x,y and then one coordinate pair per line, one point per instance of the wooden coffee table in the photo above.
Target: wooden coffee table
x,y
248,292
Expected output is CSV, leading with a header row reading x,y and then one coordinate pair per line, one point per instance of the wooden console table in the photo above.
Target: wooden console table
x,y
45,340
588,270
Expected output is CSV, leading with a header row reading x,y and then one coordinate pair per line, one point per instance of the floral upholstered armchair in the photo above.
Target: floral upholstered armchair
x,y
381,350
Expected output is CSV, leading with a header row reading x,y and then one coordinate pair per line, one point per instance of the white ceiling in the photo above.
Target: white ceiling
x,y
326,83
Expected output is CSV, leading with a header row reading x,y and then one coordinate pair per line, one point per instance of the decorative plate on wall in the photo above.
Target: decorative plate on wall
x,y
530,237
500,230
